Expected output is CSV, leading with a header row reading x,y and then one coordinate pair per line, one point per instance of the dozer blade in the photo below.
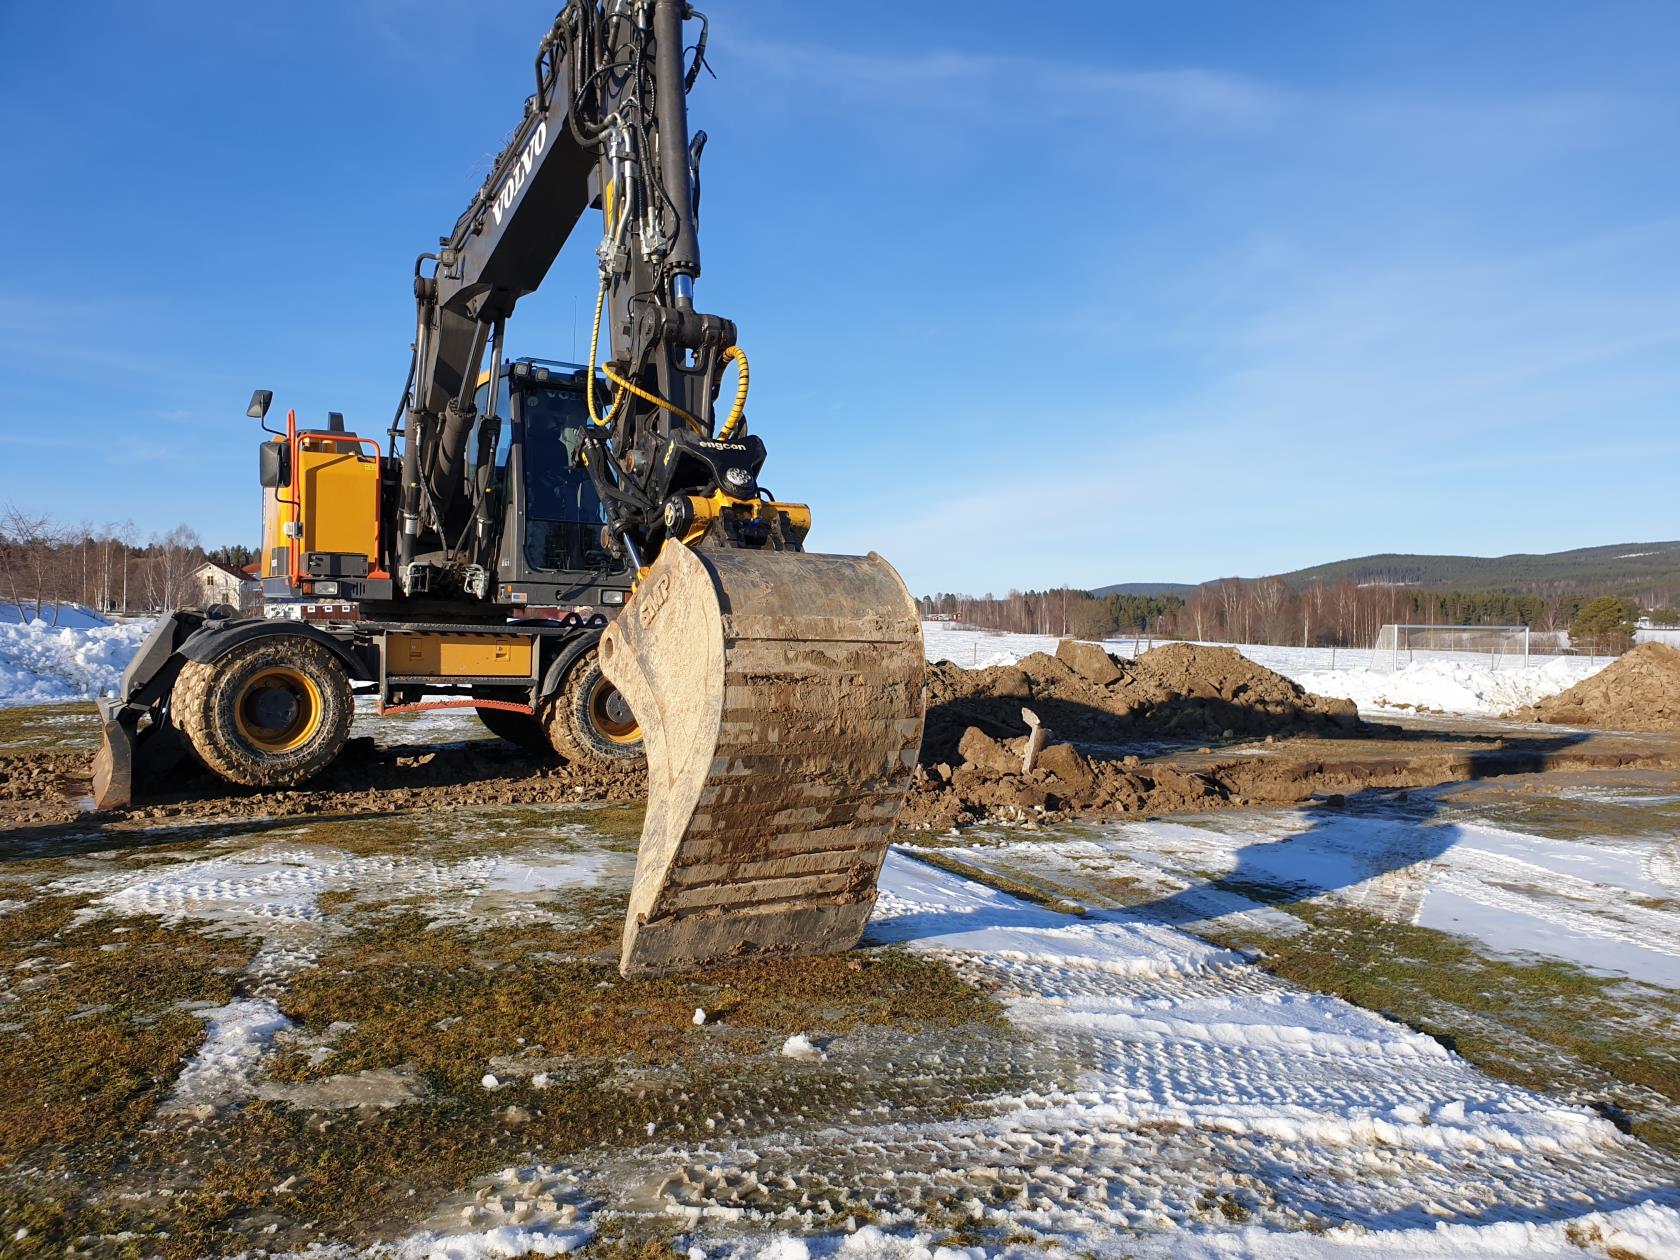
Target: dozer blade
x,y
780,699
113,764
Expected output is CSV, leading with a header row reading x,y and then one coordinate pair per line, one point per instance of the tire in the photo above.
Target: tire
x,y
522,730
269,713
588,721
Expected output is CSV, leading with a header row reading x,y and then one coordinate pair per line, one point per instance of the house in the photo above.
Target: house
x,y
219,584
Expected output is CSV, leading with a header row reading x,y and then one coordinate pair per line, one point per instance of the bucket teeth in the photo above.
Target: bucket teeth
x,y
780,699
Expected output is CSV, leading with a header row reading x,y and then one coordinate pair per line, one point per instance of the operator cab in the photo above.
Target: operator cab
x,y
551,554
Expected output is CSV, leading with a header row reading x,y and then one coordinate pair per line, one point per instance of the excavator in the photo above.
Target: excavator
x,y
584,554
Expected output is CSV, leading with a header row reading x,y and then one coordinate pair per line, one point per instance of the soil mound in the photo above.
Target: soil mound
x,y
1098,709
1638,692
1085,695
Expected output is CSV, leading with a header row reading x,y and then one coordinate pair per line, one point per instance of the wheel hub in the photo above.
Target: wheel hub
x,y
274,708
279,710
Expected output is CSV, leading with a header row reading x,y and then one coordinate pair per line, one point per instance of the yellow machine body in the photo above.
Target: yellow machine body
x,y
421,655
333,496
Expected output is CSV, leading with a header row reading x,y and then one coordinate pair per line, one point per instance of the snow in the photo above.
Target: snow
x,y
42,664
1189,1081
1444,682
1585,901
66,614
800,1046
1452,686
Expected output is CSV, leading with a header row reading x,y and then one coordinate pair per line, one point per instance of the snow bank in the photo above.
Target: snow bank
x,y
1443,682
1452,686
73,615
42,664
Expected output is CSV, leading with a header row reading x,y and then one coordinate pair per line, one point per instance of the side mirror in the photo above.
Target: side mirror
x,y
274,465
260,400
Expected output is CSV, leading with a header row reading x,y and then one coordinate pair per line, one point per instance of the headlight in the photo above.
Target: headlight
x,y
612,597
326,588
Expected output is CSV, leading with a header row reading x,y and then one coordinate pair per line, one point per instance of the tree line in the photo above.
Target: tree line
x,y
1270,610
111,568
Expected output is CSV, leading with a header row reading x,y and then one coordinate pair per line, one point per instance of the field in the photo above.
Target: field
x,y
1396,1007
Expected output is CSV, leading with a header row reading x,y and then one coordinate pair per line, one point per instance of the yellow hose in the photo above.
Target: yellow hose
x,y
655,399
740,357
626,388
594,345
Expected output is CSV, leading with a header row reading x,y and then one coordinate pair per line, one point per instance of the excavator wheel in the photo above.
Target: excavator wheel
x,y
519,729
269,713
589,722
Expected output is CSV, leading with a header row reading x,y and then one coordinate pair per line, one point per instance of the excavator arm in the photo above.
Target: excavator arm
x,y
778,693
606,127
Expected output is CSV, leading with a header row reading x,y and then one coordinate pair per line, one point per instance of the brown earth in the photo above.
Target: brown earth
x,y
1120,736
1182,727
1082,693
1639,691
51,787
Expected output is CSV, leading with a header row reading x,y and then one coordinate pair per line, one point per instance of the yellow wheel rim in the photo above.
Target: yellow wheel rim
x,y
278,710
610,715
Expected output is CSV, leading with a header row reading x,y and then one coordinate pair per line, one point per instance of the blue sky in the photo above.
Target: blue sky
x,y
1088,293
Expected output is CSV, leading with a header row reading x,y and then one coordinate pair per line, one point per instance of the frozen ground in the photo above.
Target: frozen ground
x,y
1169,1097
1604,897
1205,1109
1443,682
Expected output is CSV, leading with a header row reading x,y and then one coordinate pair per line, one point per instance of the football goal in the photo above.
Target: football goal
x,y
1397,645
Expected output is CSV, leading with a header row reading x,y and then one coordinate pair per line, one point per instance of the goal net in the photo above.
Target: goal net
x,y
1398,645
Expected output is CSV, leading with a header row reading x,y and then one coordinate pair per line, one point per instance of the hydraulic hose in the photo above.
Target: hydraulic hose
x,y
655,399
741,376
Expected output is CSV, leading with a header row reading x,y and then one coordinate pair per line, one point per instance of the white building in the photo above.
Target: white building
x,y
218,584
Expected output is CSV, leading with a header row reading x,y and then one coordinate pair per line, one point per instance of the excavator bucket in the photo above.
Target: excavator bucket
x,y
780,699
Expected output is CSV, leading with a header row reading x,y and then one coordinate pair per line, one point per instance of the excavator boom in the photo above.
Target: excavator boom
x,y
778,693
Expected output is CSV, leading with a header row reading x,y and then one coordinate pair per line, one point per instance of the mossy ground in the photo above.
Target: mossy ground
x,y
49,727
99,1019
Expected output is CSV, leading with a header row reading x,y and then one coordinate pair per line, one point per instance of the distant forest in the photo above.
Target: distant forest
x,y
1271,610
1346,602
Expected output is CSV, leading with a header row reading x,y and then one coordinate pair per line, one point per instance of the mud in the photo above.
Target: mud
x,y
1638,692
45,788
1123,737
1180,728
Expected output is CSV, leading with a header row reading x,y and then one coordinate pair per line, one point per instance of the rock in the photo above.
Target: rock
x,y
1067,764
1088,660
981,751
1343,712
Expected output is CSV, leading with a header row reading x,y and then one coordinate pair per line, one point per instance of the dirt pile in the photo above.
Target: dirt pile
x,y
1640,691
1100,711
1180,691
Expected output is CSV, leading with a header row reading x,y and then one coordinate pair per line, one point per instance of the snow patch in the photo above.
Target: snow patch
x,y
43,664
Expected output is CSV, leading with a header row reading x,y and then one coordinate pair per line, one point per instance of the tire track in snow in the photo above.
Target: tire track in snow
x,y
1213,1099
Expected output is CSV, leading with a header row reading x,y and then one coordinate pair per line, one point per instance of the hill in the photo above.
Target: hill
x,y
1618,569
1145,588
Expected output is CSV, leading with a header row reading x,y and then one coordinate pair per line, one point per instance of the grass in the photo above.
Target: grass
x,y
85,1158
96,1034
49,727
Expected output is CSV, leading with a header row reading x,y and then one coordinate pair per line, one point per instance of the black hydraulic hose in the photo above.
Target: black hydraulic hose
x,y
693,74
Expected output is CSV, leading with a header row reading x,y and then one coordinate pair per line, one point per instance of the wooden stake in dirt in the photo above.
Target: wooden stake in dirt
x,y
1035,741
